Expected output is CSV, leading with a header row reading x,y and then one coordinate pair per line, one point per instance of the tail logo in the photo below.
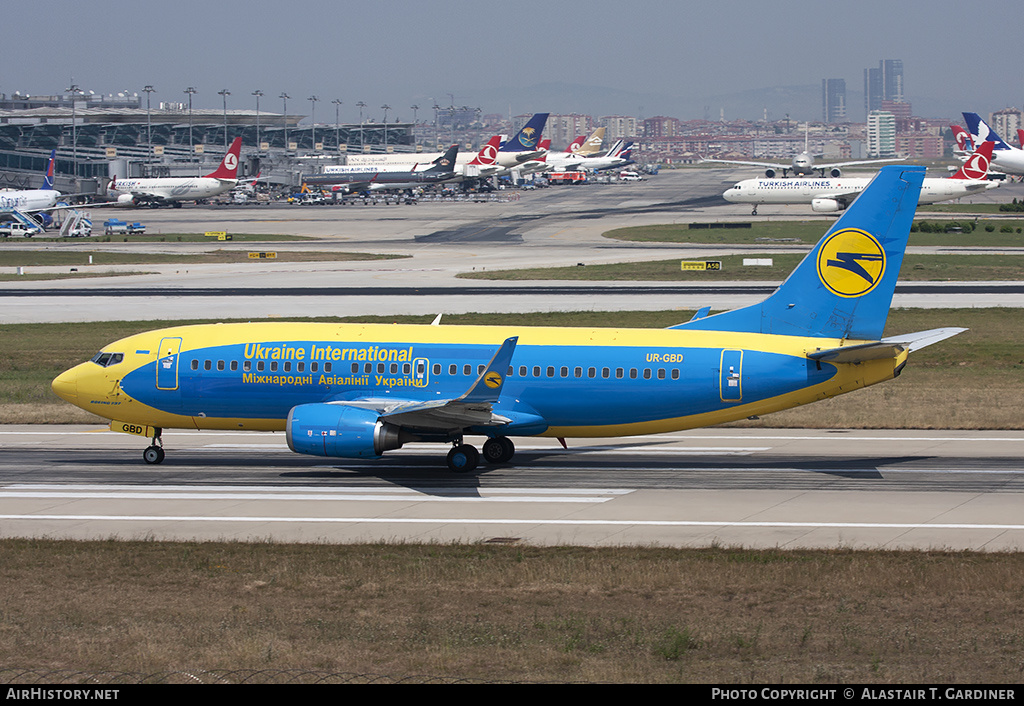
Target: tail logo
x,y
851,263
492,380
230,161
488,154
976,166
528,137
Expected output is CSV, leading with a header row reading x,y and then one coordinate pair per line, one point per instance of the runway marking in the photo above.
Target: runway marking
x,y
405,495
560,522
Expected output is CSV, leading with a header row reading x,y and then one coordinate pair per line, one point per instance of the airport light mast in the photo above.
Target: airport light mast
x,y
386,108
149,125
414,108
312,118
258,93
191,146
75,91
224,94
362,143
284,97
337,131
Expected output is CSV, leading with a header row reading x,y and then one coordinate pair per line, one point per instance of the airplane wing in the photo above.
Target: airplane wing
x,y
751,164
472,408
860,161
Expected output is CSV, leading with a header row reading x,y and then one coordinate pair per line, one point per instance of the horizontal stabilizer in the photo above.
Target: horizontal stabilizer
x,y
886,348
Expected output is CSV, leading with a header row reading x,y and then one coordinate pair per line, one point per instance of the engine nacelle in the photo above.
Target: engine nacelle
x,y
770,173
340,431
825,205
126,200
835,172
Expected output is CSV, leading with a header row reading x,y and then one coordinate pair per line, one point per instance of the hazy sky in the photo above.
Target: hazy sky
x,y
671,58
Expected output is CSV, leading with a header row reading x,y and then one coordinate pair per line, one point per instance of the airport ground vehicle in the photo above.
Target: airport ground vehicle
x,y
114,226
10,228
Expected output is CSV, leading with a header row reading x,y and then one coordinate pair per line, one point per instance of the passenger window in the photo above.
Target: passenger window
x,y
234,365
480,369
661,373
195,364
467,369
522,371
406,369
632,373
287,366
453,369
591,372
328,367
380,367
675,373
367,368
437,368
355,368
551,371
619,372
246,366
564,372
220,365
577,372
314,367
273,366
647,373
606,372
207,365
536,371
301,367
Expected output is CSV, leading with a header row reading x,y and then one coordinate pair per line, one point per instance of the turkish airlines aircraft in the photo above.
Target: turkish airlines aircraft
x,y
831,195
173,190
1005,158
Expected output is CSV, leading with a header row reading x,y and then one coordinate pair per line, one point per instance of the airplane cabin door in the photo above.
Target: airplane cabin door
x,y
731,376
167,364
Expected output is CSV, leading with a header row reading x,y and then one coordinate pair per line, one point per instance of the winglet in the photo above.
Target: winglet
x,y
488,385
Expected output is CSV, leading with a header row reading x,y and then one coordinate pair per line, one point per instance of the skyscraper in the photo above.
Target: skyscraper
x,y
872,90
892,79
833,100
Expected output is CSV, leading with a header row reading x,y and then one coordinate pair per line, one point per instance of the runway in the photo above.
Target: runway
x,y
756,488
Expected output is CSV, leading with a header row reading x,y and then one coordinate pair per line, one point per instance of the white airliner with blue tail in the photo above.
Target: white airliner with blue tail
x,y
360,390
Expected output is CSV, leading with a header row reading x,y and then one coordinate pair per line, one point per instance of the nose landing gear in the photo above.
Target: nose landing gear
x,y
154,453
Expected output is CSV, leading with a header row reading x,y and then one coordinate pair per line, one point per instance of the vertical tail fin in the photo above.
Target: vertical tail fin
x,y
228,168
488,154
963,138
981,132
48,179
592,145
446,162
527,138
976,166
844,287
575,144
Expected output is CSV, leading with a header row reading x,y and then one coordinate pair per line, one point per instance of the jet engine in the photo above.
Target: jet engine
x,y
770,173
341,431
835,172
821,205
125,200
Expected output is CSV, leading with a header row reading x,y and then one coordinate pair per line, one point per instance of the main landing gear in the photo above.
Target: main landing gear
x,y
464,458
154,453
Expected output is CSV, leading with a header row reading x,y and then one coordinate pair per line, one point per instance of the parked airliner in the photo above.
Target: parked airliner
x,y
360,390
831,195
33,200
372,178
174,190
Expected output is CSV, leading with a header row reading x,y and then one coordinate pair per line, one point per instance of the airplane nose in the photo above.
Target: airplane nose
x,y
65,386
730,194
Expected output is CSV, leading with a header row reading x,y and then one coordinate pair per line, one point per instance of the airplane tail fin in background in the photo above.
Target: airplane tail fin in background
x,y
963,138
592,145
228,168
446,162
575,144
981,132
488,153
976,166
1020,138
48,179
844,287
527,138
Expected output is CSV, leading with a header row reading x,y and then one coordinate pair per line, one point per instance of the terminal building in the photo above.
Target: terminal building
x,y
97,137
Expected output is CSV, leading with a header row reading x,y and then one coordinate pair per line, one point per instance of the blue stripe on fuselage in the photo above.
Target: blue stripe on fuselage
x,y
569,400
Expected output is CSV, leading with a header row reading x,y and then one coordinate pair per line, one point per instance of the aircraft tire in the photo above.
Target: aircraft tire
x,y
463,459
153,455
499,449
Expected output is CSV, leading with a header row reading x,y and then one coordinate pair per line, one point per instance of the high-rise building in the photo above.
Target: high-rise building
x,y
618,127
1006,122
833,100
892,79
872,90
881,134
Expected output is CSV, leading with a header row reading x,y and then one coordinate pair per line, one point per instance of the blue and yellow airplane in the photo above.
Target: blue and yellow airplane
x,y
359,390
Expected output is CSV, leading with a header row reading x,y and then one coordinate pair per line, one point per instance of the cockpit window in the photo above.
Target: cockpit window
x,y
105,360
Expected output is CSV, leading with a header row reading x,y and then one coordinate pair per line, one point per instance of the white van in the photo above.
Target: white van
x,y
630,176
